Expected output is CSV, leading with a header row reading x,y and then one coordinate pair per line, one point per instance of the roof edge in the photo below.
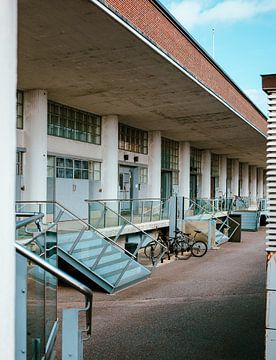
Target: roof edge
x,y
186,33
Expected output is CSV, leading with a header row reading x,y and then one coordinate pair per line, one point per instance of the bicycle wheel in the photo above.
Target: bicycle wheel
x,y
199,248
152,250
183,246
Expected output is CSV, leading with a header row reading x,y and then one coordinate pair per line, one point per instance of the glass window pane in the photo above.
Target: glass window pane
x,y
77,174
69,163
77,164
60,162
60,172
69,173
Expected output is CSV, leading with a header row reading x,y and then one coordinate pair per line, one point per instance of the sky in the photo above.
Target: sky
x,y
244,33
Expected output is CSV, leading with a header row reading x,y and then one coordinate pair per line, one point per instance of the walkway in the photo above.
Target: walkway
x,y
209,308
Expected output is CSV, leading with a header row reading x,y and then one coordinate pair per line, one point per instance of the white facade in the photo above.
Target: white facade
x,y
8,75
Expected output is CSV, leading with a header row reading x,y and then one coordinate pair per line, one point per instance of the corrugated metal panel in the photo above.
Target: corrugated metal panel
x,y
271,230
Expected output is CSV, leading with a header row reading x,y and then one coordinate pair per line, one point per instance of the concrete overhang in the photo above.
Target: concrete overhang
x,y
86,58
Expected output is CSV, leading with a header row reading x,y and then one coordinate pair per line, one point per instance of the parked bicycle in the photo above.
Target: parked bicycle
x,y
183,242
180,243
153,250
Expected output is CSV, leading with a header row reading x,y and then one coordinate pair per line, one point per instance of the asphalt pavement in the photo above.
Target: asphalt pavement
x,y
210,308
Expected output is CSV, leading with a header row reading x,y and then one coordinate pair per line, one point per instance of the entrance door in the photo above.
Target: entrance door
x,y
68,183
166,184
193,186
71,193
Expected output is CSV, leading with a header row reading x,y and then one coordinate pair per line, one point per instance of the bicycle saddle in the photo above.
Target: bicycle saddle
x,y
197,231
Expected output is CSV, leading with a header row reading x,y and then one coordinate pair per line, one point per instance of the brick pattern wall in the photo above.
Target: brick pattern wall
x,y
153,23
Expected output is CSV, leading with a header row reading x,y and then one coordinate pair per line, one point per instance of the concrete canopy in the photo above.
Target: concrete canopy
x,y
86,59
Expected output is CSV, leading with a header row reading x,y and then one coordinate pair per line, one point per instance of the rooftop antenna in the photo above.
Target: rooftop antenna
x,y
213,40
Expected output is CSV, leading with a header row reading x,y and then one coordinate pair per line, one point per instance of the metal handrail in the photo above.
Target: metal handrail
x,y
64,277
127,221
31,217
89,226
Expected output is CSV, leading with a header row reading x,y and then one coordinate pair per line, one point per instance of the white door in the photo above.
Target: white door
x,y
71,193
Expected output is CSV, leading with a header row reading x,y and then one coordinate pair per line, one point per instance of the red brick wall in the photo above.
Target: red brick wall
x,y
150,20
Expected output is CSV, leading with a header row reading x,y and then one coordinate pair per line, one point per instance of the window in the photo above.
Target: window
x,y
214,165
170,158
19,163
73,168
169,154
195,158
74,124
143,175
132,139
19,109
50,166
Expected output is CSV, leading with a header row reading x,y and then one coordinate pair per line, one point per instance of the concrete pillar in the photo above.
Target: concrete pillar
x,y
222,174
235,177
245,180
110,157
253,184
35,120
8,75
184,169
154,170
206,174
260,183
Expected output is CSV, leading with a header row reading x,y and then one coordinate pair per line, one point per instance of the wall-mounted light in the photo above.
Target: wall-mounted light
x,y
125,157
136,159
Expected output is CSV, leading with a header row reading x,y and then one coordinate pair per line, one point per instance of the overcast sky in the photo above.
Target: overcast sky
x,y
244,33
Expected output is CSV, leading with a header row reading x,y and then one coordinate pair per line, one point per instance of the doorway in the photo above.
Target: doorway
x,y
193,187
166,184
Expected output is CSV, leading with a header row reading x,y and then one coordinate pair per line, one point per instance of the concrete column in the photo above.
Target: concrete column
x,y
184,169
8,75
154,164
110,157
35,120
253,184
206,174
245,180
222,174
260,183
235,177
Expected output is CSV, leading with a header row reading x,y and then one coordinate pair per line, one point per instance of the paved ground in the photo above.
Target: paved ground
x,y
195,309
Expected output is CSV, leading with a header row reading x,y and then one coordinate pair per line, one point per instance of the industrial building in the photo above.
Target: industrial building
x,y
115,103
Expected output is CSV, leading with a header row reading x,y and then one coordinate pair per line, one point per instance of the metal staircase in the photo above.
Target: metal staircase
x,y
101,259
202,211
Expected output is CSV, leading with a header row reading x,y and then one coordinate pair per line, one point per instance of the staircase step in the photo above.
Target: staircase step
x,y
133,275
110,267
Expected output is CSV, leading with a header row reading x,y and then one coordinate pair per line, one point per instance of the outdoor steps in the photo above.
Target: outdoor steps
x,y
107,271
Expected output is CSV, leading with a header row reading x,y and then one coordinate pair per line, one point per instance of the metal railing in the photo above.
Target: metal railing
x,y
135,210
64,277
40,336
126,227
60,214
223,204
